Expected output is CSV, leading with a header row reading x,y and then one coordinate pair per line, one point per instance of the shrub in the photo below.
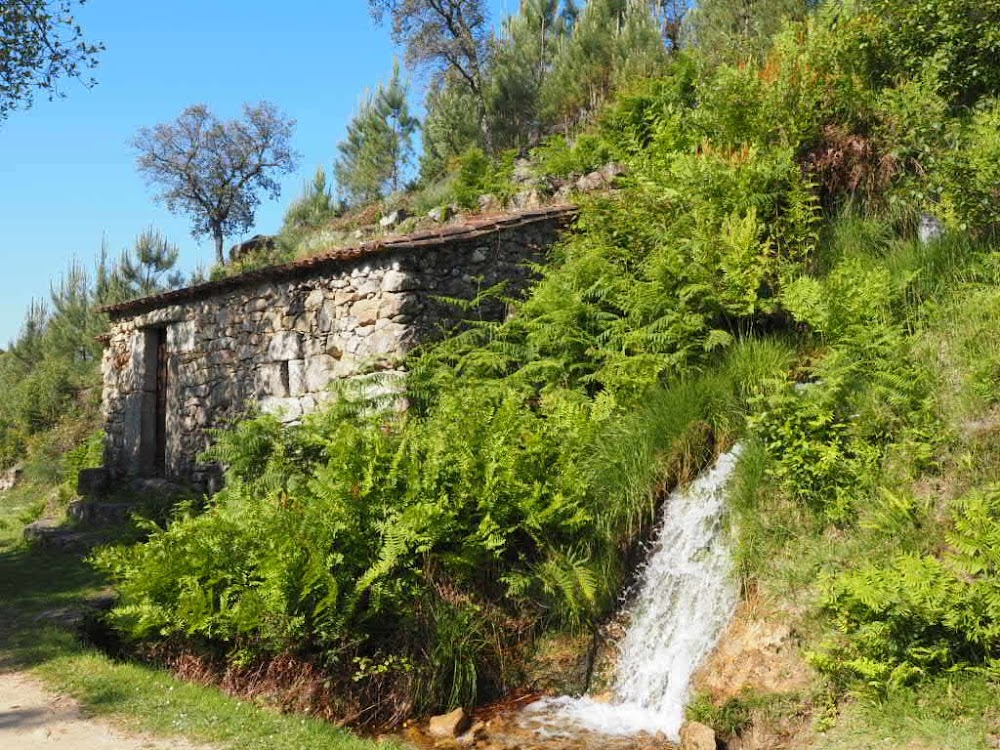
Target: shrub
x,y
921,615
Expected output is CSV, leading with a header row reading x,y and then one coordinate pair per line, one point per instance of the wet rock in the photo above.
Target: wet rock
x,y
697,736
474,734
449,725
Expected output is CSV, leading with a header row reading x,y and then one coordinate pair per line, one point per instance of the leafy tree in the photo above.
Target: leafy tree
x,y
214,170
956,43
378,144
445,35
40,43
672,15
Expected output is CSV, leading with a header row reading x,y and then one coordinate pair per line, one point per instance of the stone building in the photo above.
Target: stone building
x,y
179,364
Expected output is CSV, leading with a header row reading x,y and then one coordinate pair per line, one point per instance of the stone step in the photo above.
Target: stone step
x,y
50,533
99,514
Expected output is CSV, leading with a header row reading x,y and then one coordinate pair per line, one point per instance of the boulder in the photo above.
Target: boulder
x,y
9,478
601,179
394,218
489,204
451,724
527,199
523,172
257,243
930,228
590,182
697,736
612,171
440,214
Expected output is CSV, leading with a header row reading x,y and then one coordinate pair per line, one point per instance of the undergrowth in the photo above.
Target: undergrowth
x,y
756,274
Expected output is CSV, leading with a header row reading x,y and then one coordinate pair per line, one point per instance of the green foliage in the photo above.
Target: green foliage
x,y
971,173
730,31
312,210
921,615
374,156
87,455
558,157
612,41
955,43
756,260
477,175
41,42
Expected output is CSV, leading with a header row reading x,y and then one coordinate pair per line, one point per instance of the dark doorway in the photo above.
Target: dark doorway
x,y
153,429
162,382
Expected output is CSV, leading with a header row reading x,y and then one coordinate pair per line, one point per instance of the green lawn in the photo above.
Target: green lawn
x,y
34,582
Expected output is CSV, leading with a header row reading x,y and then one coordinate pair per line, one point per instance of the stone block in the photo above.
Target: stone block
x,y
182,337
92,483
286,409
297,377
273,379
391,305
284,346
328,316
320,371
387,340
315,299
368,287
366,311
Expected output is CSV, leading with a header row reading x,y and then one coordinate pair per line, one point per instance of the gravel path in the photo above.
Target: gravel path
x,y
33,719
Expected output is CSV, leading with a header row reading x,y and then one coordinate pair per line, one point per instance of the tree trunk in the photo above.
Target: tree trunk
x,y
220,256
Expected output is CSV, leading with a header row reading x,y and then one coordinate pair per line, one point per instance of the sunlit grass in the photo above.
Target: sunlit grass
x,y
36,584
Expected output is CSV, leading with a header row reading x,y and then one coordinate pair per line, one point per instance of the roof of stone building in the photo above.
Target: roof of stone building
x,y
468,230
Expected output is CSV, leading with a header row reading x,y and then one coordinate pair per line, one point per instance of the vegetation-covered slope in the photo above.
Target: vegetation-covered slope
x,y
758,275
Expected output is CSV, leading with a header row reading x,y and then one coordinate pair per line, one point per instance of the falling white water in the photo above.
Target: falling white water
x,y
685,598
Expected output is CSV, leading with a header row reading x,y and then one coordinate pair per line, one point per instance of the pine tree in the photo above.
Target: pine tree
x,y
729,31
378,148
315,207
522,60
448,131
612,41
392,107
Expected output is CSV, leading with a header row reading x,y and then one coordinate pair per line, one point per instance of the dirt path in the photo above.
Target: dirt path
x,y
33,719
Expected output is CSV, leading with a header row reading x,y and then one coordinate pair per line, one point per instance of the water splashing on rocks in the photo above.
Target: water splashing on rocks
x,y
685,598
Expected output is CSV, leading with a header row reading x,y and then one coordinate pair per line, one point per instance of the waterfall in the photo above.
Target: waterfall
x,y
684,600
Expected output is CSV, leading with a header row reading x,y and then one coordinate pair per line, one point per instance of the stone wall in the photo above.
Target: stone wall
x,y
278,337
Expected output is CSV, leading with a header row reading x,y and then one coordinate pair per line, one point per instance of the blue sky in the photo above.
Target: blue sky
x,y
67,176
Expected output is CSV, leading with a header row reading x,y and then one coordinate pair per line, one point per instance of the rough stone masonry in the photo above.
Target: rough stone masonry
x,y
179,364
